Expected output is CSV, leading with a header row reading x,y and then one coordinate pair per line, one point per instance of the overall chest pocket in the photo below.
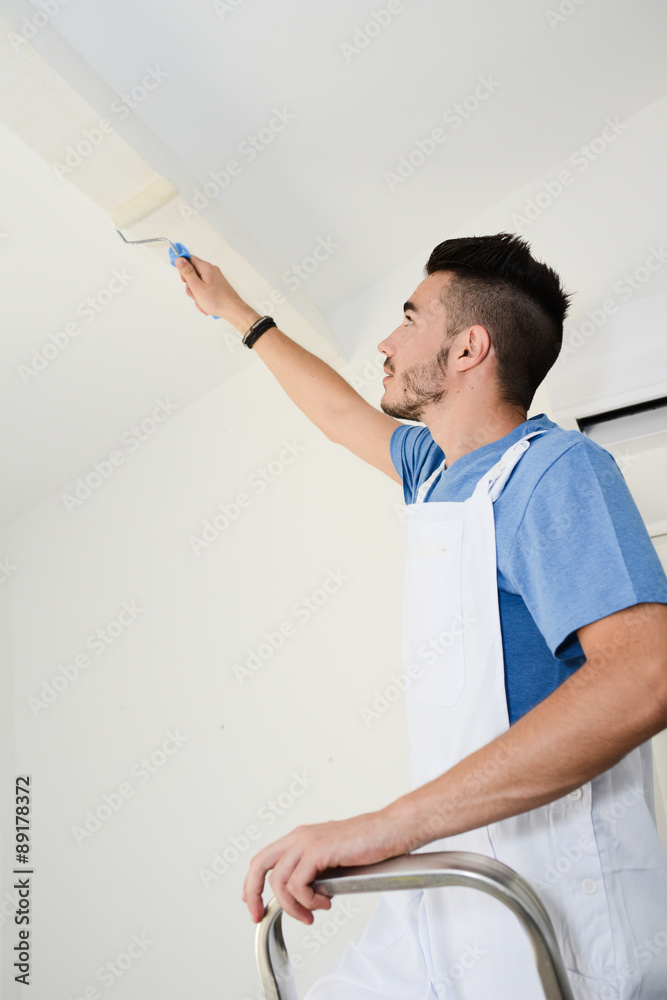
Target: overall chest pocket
x,y
432,620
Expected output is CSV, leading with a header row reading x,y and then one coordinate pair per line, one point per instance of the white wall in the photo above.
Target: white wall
x,y
171,670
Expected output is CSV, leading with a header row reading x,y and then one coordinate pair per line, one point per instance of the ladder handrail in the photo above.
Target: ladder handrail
x,y
421,871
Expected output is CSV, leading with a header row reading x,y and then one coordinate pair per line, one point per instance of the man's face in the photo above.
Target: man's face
x,y
416,353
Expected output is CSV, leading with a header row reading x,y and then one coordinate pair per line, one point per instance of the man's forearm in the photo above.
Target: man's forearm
x,y
583,728
614,702
318,391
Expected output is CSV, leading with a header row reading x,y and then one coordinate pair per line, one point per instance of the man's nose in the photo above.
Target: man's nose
x,y
386,347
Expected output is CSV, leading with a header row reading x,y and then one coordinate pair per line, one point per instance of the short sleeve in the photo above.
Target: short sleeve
x,y
581,551
410,448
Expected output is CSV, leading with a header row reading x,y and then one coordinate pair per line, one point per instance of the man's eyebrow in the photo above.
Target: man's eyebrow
x,y
410,307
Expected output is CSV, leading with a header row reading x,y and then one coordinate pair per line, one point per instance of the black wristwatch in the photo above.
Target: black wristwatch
x,y
259,327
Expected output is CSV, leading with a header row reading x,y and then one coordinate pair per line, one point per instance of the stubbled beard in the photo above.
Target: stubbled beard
x,y
422,386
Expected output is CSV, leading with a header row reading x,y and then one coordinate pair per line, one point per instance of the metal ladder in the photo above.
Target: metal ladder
x,y
422,871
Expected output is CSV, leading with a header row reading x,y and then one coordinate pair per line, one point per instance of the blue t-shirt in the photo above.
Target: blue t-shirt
x,y
571,545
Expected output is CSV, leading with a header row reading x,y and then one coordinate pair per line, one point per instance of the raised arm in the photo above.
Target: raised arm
x,y
321,393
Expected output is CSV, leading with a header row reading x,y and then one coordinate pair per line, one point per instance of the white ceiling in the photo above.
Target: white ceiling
x,y
322,177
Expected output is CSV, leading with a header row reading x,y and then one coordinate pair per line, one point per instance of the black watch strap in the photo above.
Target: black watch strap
x,y
259,327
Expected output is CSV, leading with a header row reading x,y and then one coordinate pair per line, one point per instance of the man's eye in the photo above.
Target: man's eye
x,y
408,319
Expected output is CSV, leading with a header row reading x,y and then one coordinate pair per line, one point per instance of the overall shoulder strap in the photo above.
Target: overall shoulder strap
x,y
495,479
425,487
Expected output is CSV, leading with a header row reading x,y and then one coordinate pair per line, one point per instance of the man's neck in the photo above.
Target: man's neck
x,y
457,434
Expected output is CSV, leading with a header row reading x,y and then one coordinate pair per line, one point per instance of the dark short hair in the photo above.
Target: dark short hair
x,y
520,302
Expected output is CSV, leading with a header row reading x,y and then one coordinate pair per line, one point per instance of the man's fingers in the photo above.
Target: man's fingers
x,y
254,880
252,893
280,880
199,277
187,271
195,267
188,291
203,267
293,867
299,886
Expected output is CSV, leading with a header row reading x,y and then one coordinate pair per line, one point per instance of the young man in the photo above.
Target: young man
x,y
535,628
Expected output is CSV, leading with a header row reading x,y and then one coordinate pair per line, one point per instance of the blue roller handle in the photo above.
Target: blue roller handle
x,y
182,252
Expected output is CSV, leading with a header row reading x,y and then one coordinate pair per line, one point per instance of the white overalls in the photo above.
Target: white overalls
x,y
593,856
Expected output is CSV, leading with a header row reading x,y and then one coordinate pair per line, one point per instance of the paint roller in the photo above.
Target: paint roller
x,y
153,197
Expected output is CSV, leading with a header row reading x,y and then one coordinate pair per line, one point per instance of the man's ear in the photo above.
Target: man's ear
x,y
475,345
